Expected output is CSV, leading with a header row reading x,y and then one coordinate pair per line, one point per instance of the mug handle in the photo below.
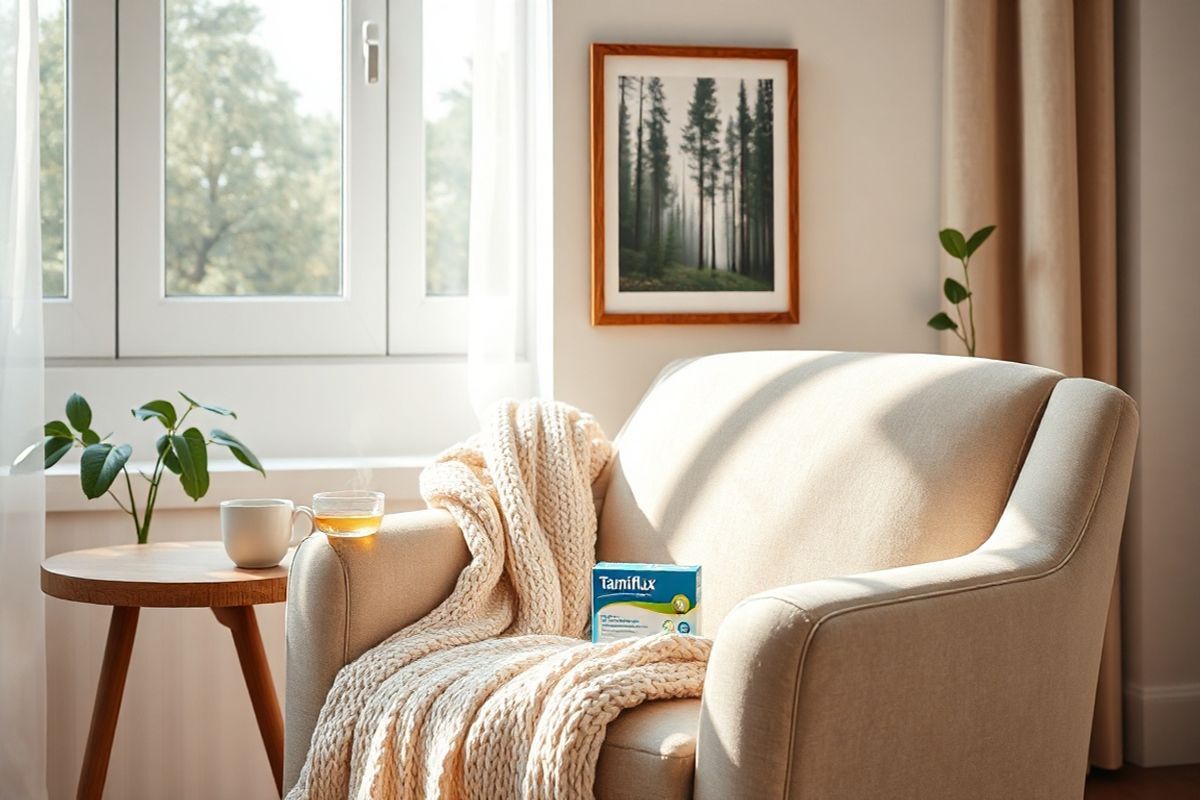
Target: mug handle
x,y
312,524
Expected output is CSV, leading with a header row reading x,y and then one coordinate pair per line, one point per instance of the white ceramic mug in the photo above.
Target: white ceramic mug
x,y
257,532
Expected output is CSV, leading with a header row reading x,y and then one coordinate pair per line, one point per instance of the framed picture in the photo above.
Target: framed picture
x,y
694,185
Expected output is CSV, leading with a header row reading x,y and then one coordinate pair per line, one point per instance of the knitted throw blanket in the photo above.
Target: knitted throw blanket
x,y
493,695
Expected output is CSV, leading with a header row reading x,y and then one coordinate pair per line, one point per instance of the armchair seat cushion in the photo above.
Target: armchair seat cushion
x,y
650,751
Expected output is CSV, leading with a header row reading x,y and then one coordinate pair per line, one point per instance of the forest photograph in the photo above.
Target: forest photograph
x,y
696,184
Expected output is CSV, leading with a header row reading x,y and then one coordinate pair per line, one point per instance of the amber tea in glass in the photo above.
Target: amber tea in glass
x,y
353,512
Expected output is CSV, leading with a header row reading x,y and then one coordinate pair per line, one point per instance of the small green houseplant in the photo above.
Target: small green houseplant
x,y
182,452
962,248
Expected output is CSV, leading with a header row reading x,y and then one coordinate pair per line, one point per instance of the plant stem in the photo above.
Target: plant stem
x,y
970,305
151,498
120,505
962,339
961,327
133,506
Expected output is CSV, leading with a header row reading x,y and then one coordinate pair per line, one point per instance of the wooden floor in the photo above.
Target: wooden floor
x,y
1136,783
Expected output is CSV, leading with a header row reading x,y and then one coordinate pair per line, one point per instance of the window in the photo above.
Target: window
x,y
235,186
446,110
253,158
429,180
251,195
77,63
52,54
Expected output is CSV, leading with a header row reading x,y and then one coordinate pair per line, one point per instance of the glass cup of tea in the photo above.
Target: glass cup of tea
x,y
352,512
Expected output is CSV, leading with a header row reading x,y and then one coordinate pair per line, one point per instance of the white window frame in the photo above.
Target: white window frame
x,y
153,324
83,323
425,335
116,214
420,323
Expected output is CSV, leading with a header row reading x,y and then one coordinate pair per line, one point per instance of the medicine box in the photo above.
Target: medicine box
x,y
631,600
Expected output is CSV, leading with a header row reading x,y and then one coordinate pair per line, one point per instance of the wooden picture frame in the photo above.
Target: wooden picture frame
x,y
667,268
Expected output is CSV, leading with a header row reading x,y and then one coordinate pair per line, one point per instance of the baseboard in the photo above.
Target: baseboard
x,y
1162,724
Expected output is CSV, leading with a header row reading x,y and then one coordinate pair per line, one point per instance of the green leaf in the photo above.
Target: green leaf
x,y
27,452
941,322
239,450
953,242
53,448
955,292
57,428
979,237
193,459
99,467
224,412
79,413
90,437
56,448
170,461
161,410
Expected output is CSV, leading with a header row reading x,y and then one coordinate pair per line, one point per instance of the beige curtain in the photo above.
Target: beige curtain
x,y
1028,144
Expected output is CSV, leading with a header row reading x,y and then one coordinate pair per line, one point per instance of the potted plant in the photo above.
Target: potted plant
x,y
181,451
962,248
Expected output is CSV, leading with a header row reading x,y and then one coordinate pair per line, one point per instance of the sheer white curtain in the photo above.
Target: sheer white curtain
x,y
22,497
510,215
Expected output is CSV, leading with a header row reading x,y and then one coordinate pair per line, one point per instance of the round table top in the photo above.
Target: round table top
x,y
162,575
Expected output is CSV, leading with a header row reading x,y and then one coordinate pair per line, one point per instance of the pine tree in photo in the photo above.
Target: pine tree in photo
x,y
624,184
699,140
637,176
714,172
729,191
764,150
672,248
745,125
659,158
685,220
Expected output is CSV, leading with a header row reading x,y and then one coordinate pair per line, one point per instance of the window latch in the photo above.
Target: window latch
x,y
370,45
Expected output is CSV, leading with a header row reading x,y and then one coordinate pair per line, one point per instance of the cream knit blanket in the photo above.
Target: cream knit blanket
x,y
492,695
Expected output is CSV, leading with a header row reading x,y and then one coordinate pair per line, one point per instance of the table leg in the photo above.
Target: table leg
x,y
242,623
109,691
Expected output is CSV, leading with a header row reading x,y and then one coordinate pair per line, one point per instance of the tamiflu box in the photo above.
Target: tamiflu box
x,y
631,600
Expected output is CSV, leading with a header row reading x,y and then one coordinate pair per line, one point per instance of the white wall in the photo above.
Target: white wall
x,y
1158,71
869,84
870,93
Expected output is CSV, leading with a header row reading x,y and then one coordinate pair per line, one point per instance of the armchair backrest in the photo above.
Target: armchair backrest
x,y
772,468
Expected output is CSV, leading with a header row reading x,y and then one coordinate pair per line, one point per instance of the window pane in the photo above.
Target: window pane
x,y
446,55
253,147
52,61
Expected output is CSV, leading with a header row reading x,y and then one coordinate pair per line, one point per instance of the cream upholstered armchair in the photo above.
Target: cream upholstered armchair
x,y
907,566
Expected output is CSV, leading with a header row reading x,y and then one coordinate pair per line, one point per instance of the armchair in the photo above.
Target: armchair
x,y
907,566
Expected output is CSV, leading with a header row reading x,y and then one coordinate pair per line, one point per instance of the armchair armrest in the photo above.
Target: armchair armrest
x,y
345,595
969,677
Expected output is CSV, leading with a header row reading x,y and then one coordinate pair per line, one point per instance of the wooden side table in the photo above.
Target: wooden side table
x,y
168,575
